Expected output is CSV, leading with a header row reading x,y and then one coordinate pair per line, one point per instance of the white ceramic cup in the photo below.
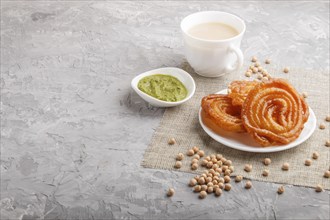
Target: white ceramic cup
x,y
213,58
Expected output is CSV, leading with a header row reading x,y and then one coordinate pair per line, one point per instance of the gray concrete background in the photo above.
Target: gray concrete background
x,y
73,132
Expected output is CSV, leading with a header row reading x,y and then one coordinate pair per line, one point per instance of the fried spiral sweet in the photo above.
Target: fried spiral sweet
x,y
238,90
305,109
220,110
274,113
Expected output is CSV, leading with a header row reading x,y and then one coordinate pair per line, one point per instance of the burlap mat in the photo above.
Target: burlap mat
x,y
182,123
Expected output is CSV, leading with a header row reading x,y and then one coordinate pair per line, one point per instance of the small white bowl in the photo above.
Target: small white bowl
x,y
180,74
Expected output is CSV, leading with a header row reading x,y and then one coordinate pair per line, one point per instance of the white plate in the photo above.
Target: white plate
x,y
180,74
244,142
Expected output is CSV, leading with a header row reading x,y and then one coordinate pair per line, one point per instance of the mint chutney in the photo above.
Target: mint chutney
x,y
163,87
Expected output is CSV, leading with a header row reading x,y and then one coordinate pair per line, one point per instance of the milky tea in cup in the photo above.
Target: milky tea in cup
x,y
212,42
213,31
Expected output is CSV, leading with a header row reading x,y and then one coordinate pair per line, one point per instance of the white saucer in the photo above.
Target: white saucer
x,y
244,142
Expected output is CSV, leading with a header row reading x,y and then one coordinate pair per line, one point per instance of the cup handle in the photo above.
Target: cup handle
x,y
239,55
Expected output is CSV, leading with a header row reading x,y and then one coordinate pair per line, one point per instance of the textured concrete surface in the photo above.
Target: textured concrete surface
x,y
73,132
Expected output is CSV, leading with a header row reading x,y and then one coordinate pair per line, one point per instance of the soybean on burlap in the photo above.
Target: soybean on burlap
x,y
182,123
